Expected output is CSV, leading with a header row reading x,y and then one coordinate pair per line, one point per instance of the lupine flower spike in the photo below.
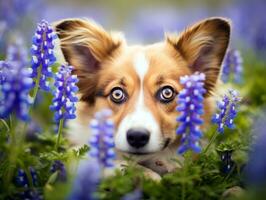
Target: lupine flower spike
x,y
34,177
102,142
90,170
43,55
21,179
3,71
23,182
228,111
232,66
65,94
254,171
60,168
87,180
15,84
64,97
190,105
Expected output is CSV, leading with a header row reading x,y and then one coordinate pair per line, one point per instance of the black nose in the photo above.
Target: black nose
x,y
137,137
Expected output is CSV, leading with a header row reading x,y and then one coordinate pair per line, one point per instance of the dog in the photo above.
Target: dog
x,y
140,83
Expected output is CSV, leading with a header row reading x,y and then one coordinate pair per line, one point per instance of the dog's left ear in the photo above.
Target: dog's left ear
x,y
203,46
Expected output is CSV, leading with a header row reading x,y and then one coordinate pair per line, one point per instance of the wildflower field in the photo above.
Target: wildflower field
x,y
38,96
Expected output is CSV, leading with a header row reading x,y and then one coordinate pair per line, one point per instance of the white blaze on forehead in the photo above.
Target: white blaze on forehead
x,y
141,65
141,117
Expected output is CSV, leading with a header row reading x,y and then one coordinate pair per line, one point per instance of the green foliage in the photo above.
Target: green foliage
x,y
199,177
81,151
255,71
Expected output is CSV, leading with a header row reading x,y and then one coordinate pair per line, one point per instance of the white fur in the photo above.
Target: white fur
x,y
141,66
141,117
78,133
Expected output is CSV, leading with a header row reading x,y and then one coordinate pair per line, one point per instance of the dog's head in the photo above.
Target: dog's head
x,y
140,83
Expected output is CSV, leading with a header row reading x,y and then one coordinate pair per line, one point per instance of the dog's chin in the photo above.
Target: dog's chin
x,y
139,155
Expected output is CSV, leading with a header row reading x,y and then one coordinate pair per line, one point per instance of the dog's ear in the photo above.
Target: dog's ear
x,y
85,46
203,46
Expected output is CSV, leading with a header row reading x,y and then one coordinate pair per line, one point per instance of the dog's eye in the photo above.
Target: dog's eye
x,y
118,95
166,94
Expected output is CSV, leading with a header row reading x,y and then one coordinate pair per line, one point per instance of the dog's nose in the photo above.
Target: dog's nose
x,y
137,137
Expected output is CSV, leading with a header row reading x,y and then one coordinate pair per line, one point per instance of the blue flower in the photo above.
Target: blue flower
x,y
22,179
227,163
33,131
232,66
13,11
190,105
60,168
33,176
43,54
86,181
255,170
3,71
16,85
254,37
31,194
65,94
228,111
102,142
16,55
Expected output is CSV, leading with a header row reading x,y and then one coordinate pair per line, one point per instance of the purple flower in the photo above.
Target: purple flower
x,y
33,176
228,111
16,84
86,181
227,163
60,168
31,194
22,179
43,54
65,94
13,11
33,130
3,71
102,142
232,66
17,53
255,170
190,105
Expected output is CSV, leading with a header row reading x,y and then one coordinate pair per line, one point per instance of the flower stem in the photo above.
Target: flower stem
x,y
61,123
214,136
13,153
37,83
183,191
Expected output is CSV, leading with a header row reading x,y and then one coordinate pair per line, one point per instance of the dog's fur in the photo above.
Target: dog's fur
x,y
103,61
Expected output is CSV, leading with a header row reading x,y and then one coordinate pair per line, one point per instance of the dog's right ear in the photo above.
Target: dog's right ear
x,y
85,46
